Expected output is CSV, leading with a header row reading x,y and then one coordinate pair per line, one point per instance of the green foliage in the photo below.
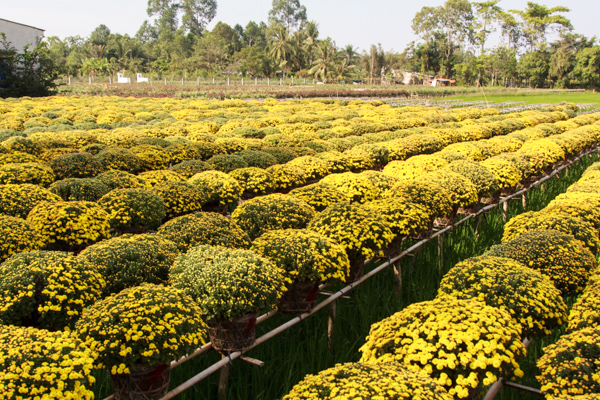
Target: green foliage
x,y
133,209
27,73
75,189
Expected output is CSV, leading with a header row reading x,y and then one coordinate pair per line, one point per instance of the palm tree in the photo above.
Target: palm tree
x,y
280,47
327,55
311,30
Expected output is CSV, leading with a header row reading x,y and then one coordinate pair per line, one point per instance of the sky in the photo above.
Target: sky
x,y
355,22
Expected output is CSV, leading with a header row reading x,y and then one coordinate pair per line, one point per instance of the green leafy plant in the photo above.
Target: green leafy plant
x,y
228,283
147,324
133,209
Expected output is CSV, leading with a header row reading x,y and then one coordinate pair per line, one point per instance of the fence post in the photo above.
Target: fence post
x,y
242,81
268,81
181,81
198,81
213,80
223,380
398,277
441,252
227,81
505,211
280,81
330,321
165,81
255,81
90,79
524,200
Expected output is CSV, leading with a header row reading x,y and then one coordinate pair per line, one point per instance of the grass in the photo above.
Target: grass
x,y
304,348
532,97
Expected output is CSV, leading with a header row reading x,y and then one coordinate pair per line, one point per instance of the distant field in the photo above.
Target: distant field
x,y
531,97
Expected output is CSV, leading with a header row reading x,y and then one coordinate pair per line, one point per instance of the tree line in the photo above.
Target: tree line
x,y
453,43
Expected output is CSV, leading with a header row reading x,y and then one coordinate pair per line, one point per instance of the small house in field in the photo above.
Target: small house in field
x,y
442,82
20,35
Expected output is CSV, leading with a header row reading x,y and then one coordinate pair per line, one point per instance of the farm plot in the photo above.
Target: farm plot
x,y
227,208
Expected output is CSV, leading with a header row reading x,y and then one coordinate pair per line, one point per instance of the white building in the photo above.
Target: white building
x,y
20,35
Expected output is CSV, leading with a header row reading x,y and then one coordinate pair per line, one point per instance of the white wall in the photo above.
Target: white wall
x,y
21,35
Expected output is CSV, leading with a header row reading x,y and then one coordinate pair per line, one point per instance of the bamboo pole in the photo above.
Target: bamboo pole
x,y
223,379
496,386
398,277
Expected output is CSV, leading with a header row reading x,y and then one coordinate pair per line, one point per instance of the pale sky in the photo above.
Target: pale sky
x,y
360,23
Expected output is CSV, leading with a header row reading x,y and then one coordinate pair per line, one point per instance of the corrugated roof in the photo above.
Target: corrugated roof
x,y
18,23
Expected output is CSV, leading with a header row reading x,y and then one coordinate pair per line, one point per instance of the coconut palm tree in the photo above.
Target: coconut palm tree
x,y
280,47
326,57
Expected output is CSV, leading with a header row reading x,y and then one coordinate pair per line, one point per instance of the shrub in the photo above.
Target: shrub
x,y
212,229
285,176
120,159
571,365
228,283
355,187
46,289
18,236
586,310
557,255
151,157
579,205
282,155
121,180
556,220
75,189
153,178
162,325
274,211
17,158
34,173
380,180
227,162
359,231
432,196
31,360
483,179
505,171
221,188
17,200
319,195
258,159
180,198
253,180
391,381
133,209
463,192
313,167
78,165
303,255
528,296
189,168
446,338
131,260
70,225
404,218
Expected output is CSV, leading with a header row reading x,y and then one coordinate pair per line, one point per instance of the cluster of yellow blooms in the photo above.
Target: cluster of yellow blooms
x,y
192,155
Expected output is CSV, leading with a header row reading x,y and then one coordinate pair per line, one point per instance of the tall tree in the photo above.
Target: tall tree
x,y
197,14
537,19
487,15
326,57
450,23
280,47
587,67
289,13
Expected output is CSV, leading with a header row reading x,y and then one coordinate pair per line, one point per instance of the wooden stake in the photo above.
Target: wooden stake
x,y
331,320
223,380
398,278
478,225
524,200
441,253
505,211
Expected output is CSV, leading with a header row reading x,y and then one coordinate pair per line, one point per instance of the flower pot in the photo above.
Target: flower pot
x,y
299,298
235,335
393,249
448,219
357,269
142,383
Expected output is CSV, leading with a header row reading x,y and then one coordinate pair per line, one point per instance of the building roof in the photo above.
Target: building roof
x,y
29,26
